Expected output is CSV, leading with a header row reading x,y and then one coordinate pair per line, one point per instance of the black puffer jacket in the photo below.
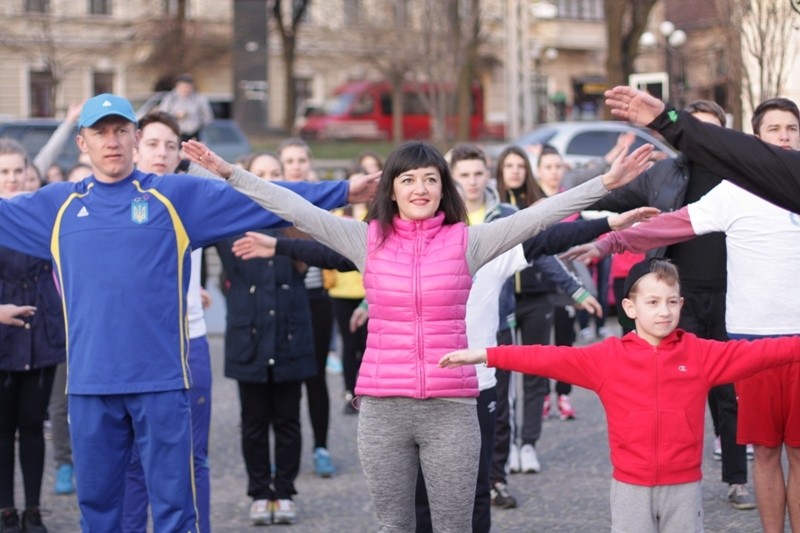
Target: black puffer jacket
x,y
269,320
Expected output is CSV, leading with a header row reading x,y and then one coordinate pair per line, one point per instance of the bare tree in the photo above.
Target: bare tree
x,y
733,67
467,72
767,27
38,42
386,43
626,20
178,43
431,45
288,16
448,56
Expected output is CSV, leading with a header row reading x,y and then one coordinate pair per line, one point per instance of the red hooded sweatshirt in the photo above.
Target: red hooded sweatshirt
x,y
654,396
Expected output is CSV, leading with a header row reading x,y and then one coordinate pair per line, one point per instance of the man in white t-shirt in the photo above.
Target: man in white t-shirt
x,y
763,244
158,152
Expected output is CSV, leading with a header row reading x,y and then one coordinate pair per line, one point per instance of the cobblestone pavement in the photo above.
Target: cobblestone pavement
x,y
569,495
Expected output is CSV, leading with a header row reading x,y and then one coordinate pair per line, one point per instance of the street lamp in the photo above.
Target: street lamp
x,y
540,80
673,39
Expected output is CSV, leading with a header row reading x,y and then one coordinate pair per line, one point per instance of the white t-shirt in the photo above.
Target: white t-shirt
x,y
194,304
483,306
763,243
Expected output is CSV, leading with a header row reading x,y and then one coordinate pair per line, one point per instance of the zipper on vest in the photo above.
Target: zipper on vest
x,y
420,346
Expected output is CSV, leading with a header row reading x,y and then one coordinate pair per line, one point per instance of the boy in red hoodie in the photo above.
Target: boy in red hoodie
x,y
653,384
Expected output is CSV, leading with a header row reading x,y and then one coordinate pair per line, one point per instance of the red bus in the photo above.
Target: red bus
x,y
363,110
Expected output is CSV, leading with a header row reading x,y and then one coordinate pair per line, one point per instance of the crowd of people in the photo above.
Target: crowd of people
x,y
431,267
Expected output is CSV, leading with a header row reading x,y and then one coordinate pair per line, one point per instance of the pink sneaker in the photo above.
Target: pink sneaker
x,y
546,408
565,410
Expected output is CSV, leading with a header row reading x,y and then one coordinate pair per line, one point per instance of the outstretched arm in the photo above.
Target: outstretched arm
x,y
487,241
560,237
768,171
346,236
361,188
309,251
665,229
59,139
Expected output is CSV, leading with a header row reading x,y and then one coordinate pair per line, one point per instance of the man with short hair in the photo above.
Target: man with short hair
x,y
158,152
120,241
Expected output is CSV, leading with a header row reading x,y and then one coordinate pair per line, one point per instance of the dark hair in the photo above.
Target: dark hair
x,y
185,78
293,141
10,146
531,192
664,270
707,106
161,117
781,104
466,152
411,156
547,149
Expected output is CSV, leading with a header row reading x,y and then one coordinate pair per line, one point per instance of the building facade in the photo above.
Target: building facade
x,y
59,51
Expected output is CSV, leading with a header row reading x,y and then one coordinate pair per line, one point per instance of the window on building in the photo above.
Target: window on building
x,y
102,82
99,7
580,9
37,6
352,12
41,94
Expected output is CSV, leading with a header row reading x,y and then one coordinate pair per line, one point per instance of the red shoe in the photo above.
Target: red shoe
x,y
565,410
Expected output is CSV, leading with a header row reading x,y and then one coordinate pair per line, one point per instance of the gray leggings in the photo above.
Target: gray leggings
x,y
398,435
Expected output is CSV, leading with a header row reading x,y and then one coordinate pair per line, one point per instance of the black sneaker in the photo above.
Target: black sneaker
x,y
501,497
32,521
9,521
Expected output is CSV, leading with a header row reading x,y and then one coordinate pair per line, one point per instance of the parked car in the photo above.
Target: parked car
x,y
222,136
580,142
226,138
33,134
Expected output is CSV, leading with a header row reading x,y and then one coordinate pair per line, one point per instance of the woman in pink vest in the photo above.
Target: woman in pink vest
x,y
418,257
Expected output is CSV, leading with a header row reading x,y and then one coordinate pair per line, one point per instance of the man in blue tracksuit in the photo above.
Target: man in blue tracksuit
x,y
121,241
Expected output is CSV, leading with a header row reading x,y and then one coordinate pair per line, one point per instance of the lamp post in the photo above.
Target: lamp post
x,y
673,40
540,80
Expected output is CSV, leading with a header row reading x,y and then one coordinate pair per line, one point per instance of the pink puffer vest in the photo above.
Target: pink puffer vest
x,y
417,282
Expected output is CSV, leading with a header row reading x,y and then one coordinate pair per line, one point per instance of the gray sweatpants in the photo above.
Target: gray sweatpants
x,y
398,435
660,509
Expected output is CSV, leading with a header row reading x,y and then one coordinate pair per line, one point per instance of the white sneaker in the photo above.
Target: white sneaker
x,y
283,512
513,459
528,461
717,449
585,335
261,512
603,332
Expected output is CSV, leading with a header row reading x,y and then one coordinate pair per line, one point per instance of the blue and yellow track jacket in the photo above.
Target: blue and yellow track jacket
x,y
122,257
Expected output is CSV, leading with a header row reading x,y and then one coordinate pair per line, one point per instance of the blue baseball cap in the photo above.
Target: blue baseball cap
x,y
103,105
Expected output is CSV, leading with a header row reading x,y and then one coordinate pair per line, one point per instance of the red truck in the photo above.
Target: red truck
x,y
363,111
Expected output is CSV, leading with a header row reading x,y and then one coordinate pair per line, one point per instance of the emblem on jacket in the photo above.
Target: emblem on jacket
x,y
140,211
